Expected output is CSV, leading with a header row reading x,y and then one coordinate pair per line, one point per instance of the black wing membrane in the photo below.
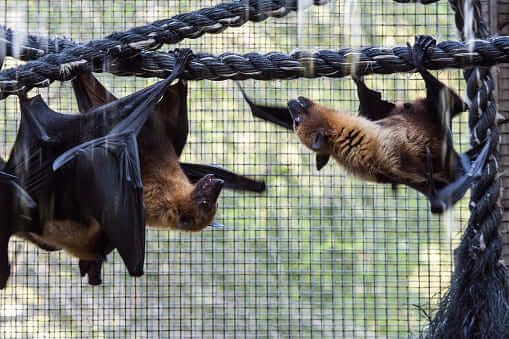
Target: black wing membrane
x,y
371,105
446,104
172,107
469,170
276,115
80,167
17,214
113,190
90,93
231,180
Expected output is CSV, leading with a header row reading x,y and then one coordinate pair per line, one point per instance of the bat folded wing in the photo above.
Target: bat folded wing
x,y
17,210
468,170
109,179
231,180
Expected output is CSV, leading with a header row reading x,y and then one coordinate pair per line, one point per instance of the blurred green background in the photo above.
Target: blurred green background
x,y
319,254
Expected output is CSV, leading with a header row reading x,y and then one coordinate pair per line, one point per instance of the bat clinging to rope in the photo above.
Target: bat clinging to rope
x,y
408,143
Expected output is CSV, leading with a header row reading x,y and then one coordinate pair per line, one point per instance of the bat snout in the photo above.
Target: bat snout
x,y
209,186
218,185
295,108
304,102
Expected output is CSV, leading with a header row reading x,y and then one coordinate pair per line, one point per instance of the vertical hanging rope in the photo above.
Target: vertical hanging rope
x,y
477,303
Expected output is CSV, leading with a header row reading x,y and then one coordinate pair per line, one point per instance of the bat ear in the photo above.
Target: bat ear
x,y
321,160
319,140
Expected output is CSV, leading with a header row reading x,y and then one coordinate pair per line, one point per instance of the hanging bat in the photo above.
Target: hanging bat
x,y
161,140
83,172
408,143
170,119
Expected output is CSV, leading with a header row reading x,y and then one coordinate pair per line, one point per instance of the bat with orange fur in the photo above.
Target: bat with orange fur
x,y
179,196
409,143
83,173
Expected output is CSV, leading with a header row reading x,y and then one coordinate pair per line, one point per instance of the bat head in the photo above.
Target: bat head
x,y
310,123
200,207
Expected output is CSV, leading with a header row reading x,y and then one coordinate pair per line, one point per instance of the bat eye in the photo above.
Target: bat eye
x,y
205,204
297,121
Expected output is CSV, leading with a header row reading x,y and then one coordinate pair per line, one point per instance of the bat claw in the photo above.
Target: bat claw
x,y
418,50
438,206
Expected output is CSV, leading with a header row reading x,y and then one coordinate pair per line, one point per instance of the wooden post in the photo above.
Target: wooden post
x,y
497,13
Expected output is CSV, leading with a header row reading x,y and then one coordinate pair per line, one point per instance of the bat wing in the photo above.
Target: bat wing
x,y
277,115
443,103
371,105
170,112
17,212
110,181
469,169
231,180
90,93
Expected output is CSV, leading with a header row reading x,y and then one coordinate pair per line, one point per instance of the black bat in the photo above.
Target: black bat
x,y
90,93
83,171
408,143
167,125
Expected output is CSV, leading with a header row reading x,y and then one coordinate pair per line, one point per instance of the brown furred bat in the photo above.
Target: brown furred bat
x,y
408,143
83,173
179,196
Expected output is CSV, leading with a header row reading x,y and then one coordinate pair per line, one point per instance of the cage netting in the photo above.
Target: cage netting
x,y
319,254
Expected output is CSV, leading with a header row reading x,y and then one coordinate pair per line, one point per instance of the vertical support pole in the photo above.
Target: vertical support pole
x,y
498,12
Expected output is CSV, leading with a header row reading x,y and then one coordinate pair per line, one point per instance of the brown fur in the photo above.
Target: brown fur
x,y
168,194
164,186
82,241
390,150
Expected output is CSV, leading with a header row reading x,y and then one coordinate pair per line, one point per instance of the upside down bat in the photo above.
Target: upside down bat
x,y
408,143
168,185
83,172
177,196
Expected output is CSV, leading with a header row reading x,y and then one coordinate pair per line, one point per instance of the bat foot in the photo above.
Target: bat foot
x,y
137,272
92,268
438,206
418,50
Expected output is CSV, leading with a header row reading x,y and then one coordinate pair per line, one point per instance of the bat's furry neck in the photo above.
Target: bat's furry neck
x,y
353,142
165,187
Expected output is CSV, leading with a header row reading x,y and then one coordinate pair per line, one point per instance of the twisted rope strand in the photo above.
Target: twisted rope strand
x,y
190,25
69,63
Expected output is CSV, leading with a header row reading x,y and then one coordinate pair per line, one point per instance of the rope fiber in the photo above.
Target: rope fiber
x,y
477,303
70,62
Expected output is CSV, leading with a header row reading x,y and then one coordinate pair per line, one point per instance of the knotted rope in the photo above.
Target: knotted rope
x,y
190,25
70,62
477,303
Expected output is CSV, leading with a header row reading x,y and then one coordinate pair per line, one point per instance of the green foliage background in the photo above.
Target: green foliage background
x,y
319,254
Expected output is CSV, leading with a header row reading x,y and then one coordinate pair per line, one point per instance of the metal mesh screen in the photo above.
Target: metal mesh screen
x,y
319,254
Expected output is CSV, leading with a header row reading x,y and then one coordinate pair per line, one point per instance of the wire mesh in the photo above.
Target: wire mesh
x,y
319,254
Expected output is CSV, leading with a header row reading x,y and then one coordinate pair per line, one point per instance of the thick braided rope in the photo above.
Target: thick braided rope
x,y
67,64
477,303
167,31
